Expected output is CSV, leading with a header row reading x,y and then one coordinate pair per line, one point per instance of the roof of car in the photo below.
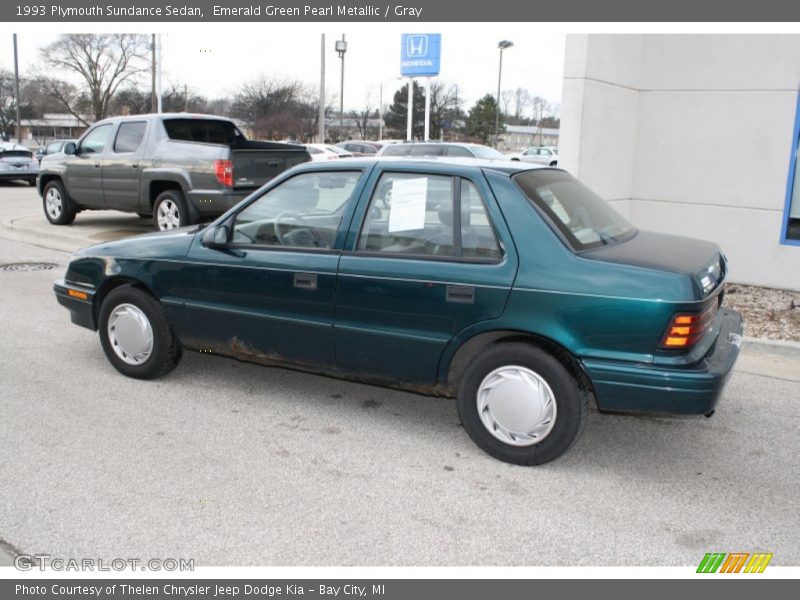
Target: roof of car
x,y
504,166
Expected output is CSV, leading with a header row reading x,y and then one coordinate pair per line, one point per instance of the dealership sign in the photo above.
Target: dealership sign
x,y
420,54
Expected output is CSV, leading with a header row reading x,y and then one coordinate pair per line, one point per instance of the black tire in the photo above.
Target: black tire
x,y
171,198
554,163
57,206
166,350
570,399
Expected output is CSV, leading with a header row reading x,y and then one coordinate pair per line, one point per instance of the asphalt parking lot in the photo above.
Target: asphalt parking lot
x,y
230,463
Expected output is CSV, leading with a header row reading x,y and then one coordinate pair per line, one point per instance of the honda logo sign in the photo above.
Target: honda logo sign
x,y
420,54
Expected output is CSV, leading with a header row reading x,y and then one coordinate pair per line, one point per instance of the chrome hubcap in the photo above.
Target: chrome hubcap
x,y
52,202
168,215
517,406
130,334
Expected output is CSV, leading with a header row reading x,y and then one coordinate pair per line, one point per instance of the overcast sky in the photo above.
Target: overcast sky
x,y
213,59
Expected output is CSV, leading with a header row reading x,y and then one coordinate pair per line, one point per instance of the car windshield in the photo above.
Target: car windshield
x,y
486,152
585,219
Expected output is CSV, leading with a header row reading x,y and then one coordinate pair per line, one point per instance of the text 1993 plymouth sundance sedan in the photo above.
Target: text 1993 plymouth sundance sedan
x,y
511,287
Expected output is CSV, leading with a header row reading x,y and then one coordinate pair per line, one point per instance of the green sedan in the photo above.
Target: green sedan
x,y
510,287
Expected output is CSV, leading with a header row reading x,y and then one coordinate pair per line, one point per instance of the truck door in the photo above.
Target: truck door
x,y
85,168
122,169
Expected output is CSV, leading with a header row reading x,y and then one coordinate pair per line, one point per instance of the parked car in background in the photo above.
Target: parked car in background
x,y
361,148
542,155
452,149
53,147
322,152
17,162
523,295
178,168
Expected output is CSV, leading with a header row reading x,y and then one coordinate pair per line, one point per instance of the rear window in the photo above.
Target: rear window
x,y
486,152
207,131
16,154
585,219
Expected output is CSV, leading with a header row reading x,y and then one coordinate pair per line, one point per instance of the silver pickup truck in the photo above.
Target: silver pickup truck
x,y
179,168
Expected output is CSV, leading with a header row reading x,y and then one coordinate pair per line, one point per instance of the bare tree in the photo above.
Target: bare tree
x,y
103,61
521,102
8,105
362,116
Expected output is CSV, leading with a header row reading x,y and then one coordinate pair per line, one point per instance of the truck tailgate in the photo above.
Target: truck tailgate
x,y
254,167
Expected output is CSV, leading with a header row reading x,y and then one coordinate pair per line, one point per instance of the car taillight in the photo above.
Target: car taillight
x,y
686,329
223,170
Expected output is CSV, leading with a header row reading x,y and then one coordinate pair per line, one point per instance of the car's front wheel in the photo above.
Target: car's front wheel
x,y
520,404
169,211
136,335
58,208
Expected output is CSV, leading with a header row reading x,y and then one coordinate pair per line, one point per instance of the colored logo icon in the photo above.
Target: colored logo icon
x,y
734,562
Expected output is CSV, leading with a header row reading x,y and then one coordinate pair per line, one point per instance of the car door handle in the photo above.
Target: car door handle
x,y
97,165
135,165
305,281
461,294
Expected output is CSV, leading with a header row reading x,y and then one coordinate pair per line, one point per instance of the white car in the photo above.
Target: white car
x,y
542,155
326,152
17,162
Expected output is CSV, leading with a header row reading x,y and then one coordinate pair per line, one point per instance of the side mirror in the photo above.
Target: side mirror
x,y
216,237
70,148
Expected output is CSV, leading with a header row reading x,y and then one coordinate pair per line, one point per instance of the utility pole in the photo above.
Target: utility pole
x,y
153,101
185,98
427,109
158,83
380,114
322,92
16,90
502,46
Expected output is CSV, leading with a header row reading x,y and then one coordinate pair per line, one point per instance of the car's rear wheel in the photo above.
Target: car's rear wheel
x,y
169,211
520,404
136,335
58,208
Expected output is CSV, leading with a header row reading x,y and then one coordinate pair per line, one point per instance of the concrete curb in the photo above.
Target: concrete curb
x,y
51,241
765,346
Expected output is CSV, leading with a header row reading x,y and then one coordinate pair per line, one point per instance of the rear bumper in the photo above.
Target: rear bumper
x,y
695,390
81,310
212,203
20,174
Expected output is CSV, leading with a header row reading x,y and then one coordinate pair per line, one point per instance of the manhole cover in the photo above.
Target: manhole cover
x,y
28,266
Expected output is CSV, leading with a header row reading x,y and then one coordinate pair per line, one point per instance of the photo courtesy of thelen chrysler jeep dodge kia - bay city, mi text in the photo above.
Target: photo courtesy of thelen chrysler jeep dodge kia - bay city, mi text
x,y
506,285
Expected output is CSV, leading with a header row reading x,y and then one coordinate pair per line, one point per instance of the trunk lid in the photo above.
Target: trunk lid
x,y
701,260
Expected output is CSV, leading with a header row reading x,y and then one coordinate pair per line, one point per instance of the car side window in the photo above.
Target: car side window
x,y
478,239
95,141
129,136
301,212
368,149
410,213
458,151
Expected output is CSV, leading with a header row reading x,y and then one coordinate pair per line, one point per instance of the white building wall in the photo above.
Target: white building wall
x,y
689,134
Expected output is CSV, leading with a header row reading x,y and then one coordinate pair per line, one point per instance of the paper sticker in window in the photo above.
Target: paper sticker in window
x,y
409,200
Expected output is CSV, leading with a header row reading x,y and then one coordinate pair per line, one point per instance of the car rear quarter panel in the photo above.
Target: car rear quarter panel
x,y
592,308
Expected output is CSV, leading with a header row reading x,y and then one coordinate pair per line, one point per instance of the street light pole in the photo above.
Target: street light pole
x,y
502,46
16,90
341,48
380,114
321,116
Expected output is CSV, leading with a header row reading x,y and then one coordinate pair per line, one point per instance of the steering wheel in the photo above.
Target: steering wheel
x,y
303,226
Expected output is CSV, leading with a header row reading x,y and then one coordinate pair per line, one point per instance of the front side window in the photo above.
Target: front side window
x,y
95,141
585,219
302,212
129,136
410,213
459,151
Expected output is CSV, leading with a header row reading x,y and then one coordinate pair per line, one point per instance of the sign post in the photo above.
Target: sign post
x,y
420,56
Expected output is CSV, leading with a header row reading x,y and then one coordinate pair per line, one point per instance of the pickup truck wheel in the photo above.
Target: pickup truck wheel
x,y
58,208
169,211
519,404
136,335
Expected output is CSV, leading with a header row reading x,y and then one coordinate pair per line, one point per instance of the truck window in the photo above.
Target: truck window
x,y
129,136
207,131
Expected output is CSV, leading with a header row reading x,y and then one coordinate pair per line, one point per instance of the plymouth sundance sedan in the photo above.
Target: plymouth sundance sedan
x,y
509,286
